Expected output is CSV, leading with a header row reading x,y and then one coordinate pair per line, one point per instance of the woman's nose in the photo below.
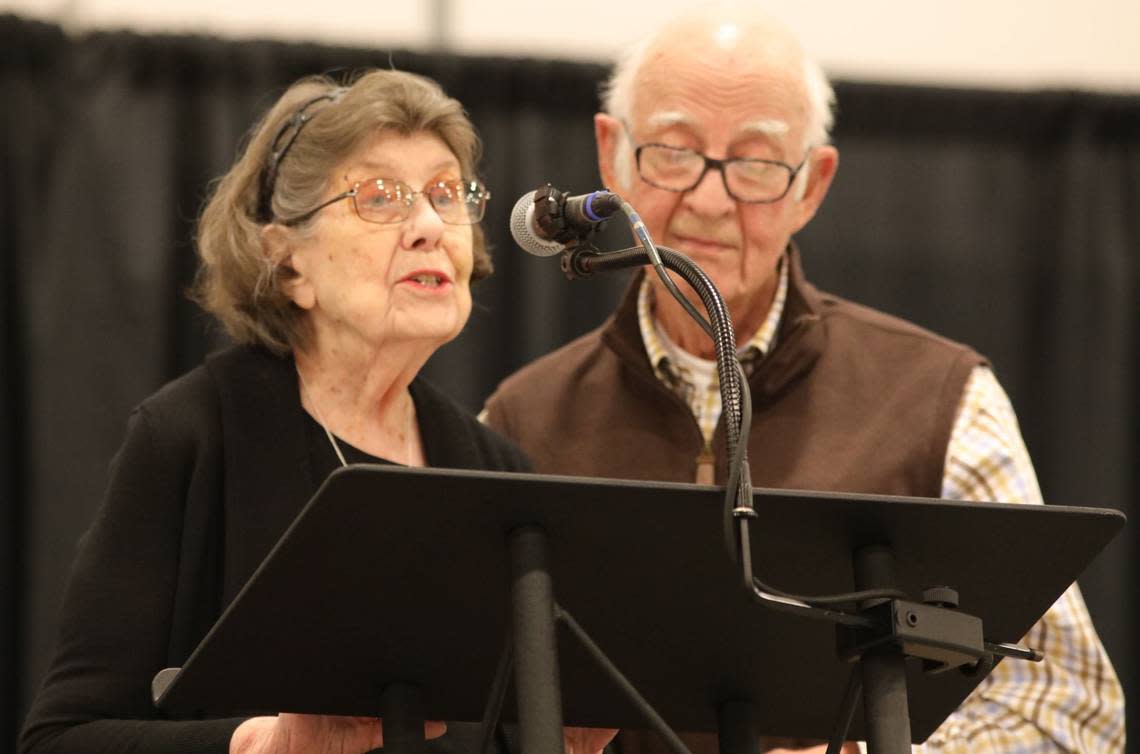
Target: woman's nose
x,y
424,226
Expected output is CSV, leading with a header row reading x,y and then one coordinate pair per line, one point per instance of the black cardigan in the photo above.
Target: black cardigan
x,y
214,468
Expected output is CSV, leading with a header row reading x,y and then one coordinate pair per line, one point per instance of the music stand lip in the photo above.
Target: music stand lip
x,y
641,565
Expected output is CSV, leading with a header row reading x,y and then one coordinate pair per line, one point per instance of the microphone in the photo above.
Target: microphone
x,y
525,232
544,222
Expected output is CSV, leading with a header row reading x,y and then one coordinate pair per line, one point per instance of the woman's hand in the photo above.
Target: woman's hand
x,y
314,734
587,740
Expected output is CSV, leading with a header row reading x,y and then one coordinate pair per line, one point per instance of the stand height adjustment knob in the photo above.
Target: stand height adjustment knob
x,y
940,596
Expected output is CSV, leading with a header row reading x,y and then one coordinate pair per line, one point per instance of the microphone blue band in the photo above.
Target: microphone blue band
x,y
590,208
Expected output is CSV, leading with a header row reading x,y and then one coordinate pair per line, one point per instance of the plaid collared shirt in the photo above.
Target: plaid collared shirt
x,y
1070,702
695,379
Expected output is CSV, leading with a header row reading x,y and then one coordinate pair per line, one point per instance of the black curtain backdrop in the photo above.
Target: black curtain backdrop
x,y
1005,220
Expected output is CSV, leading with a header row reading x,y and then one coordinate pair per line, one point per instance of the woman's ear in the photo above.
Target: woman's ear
x,y
277,244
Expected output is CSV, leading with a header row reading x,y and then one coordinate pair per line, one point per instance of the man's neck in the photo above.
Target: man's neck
x,y
686,333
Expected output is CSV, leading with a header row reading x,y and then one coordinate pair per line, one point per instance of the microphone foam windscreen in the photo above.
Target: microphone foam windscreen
x,y
522,229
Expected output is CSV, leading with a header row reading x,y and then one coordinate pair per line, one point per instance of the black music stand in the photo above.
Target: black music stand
x,y
391,595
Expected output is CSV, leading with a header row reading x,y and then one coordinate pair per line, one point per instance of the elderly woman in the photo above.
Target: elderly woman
x,y
338,252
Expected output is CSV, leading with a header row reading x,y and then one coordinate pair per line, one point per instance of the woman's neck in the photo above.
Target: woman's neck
x,y
363,398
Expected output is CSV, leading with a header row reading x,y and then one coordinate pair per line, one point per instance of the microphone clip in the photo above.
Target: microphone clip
x,y
550,215
575,261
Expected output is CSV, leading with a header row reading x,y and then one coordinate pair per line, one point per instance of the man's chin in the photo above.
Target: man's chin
x,y
697,248
719,263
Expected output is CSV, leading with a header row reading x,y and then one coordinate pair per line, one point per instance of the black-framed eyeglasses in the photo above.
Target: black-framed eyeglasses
x,y
745,179
458,201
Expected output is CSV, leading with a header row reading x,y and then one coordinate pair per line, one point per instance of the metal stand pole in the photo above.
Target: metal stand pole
x,y
536,658
736,728
885,708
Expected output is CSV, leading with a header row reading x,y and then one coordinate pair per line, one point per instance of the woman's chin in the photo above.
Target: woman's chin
x,y
432,331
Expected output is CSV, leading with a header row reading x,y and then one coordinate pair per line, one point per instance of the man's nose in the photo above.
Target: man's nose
x,y
710,197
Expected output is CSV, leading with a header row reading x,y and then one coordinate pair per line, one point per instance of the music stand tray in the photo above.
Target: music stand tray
x,y
392,574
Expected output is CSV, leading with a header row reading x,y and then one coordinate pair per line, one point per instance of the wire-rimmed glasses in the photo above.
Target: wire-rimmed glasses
x,y
457,201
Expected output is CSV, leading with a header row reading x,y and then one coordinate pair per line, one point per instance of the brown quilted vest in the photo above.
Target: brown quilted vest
x,y
849,399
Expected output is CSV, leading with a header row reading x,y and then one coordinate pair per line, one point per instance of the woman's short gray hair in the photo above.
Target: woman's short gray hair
x,y
236,281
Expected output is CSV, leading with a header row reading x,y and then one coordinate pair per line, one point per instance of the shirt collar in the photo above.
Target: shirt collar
x,y
658,348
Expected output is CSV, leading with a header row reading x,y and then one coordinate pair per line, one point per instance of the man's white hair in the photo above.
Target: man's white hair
x,y
619,89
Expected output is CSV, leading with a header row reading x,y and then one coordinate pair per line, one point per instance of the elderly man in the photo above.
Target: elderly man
x,y
716,131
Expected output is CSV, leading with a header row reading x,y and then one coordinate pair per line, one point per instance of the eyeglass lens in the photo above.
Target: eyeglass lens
x,y
676,169
457,202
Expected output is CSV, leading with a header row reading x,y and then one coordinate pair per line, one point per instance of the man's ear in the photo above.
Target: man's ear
x,y
608,133
821,170
277,244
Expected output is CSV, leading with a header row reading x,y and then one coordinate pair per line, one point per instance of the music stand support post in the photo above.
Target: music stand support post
x,y
885,709
536,663
535,615
736,728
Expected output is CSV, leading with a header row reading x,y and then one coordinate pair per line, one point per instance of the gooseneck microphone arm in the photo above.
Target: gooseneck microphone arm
x,y
583,261
736,401
546,222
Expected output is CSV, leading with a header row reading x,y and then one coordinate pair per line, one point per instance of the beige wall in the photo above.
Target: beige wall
x,y
1005,43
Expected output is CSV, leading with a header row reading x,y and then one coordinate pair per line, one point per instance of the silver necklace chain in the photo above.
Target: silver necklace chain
x,y
332,439
320,419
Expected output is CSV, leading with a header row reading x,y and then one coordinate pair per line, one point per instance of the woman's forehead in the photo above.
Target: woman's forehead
x,y
392,153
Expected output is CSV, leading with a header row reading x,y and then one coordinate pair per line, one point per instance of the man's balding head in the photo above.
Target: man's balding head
x,y
730,88
722,31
